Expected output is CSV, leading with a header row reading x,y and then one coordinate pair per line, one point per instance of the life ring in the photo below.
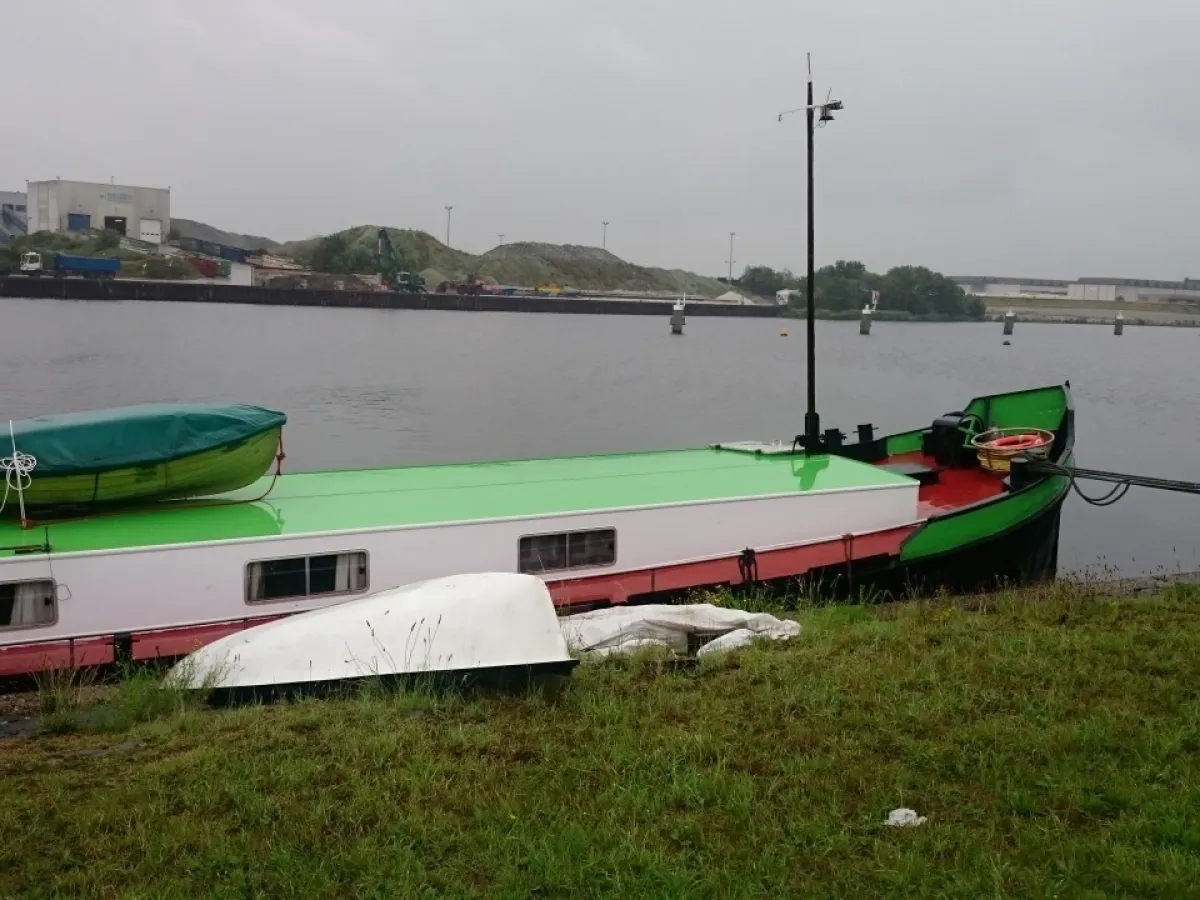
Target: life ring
x,y
1015,442
996,449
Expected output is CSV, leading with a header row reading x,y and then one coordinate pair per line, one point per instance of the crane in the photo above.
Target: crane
x,y
391,267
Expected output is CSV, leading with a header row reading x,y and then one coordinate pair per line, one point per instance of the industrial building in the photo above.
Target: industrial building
x,y
1103,290
1133,290
12,215
1011,286
140,213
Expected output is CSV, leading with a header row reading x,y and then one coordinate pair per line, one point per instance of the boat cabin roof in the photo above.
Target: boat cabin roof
x,y
316,502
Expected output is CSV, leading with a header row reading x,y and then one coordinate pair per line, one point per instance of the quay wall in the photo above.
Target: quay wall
x,y
202,292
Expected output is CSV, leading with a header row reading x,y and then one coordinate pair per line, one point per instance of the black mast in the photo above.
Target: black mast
x,y
812,421
811,439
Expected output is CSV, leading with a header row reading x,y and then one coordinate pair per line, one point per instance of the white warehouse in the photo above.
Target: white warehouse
x,y
140,213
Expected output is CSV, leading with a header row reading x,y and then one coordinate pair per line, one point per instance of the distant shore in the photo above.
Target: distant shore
x,y
201,292
1080,312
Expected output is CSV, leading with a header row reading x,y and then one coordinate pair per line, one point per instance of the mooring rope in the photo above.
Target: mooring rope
x,y
1121,482
18,473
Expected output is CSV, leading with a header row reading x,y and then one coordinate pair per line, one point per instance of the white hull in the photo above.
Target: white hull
x,y
469,624
132,591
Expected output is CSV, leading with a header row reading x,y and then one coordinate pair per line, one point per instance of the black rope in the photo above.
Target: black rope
x,y
1121,482
748,565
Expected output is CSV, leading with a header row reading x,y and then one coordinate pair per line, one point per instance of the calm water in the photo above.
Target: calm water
x,y
370,387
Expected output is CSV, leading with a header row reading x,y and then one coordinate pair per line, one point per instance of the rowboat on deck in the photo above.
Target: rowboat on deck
x,y
879,514
139,453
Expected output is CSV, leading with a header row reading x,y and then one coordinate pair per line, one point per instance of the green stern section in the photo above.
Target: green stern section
x,y
1047,408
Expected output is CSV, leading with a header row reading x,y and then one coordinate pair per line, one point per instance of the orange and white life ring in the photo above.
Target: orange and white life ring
x,y
1015,442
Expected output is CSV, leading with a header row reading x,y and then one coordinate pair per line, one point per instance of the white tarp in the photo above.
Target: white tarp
x,y
623,629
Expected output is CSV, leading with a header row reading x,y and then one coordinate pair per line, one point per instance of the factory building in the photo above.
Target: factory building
x,y
1133,290
140,213
12,215
1011,286
1102,290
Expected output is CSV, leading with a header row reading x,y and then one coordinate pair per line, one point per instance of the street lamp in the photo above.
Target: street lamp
x,y
501,237
604,238
811,439
730,260
448,208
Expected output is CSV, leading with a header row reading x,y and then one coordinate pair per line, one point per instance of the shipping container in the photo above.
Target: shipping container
x,y
233,254
206,267
78,221
95,266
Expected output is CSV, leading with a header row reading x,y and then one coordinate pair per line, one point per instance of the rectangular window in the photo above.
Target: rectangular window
x,y
26,604
538,553
298,577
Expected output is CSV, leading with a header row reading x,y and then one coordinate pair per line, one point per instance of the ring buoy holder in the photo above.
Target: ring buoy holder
x,y
997,447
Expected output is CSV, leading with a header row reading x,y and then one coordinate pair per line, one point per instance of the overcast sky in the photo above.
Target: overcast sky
x,y
1051,138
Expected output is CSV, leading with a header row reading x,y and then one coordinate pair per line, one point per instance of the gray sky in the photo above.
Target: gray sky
x,y
1052,138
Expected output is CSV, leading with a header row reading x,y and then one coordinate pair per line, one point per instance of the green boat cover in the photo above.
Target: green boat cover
x,y
82,443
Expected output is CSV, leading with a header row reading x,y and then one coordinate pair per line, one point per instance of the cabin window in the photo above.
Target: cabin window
x,y
539,553
26,604
306,576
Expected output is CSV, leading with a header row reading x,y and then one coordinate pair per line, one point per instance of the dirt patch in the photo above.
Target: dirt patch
x,y
19,715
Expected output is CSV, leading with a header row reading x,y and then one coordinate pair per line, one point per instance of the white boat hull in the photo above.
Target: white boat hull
x,y
179,586
467,626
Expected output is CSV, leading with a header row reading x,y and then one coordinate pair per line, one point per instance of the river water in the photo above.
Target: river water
x,y
378,387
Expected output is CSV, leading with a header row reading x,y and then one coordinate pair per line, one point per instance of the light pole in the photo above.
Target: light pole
x,y
501,237
604,238
730,260
811,440
448,208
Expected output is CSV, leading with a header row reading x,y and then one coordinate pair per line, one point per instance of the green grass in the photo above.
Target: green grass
x,y
1052,739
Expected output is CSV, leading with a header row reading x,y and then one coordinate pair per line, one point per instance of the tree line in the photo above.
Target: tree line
x,y
847,286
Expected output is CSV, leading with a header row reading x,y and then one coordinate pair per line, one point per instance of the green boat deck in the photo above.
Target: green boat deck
x,y
315,502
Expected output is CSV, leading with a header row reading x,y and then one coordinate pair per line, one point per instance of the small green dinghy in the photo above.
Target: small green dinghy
x,y
143,453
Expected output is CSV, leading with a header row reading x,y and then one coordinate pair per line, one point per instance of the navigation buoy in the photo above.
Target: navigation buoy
x,y
1010,320
677,319
864,321
1119,325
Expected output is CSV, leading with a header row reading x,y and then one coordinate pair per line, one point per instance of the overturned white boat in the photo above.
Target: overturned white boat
x,y
494,628
698,628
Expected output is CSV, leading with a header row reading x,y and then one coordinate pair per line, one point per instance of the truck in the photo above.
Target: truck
x,y
63,264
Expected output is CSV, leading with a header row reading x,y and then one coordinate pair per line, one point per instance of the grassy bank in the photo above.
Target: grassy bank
x,y
1052,739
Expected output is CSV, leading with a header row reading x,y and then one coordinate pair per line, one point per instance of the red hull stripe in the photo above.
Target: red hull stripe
x,y
596,589
781,563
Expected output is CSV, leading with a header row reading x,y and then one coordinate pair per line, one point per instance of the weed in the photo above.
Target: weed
x,y
1051,736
